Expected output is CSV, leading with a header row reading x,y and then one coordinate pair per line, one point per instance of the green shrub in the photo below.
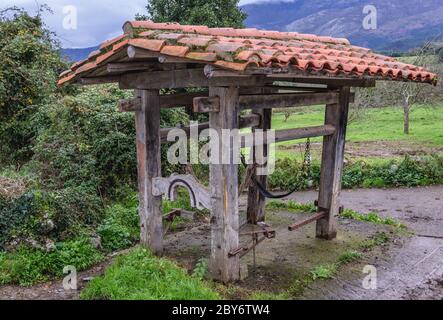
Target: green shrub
x,y
141,276
15,212
28,266
407,172
68,211
121,227
29,66
87,142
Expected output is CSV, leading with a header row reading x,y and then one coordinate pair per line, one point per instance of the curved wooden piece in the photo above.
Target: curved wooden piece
x,y
200,196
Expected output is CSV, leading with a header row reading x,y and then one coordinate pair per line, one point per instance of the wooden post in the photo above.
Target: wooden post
x,y
224,192
149,166
332,165
257,202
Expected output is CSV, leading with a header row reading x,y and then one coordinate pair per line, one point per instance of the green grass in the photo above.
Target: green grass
x,y
379,239
372,217
349,256
324,271
291,205
377,124
28,266
139,275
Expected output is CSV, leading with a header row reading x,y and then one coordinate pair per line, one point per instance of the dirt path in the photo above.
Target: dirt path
x,y
409,268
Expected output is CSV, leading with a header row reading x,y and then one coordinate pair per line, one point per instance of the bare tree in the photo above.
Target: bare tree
x,y
412,93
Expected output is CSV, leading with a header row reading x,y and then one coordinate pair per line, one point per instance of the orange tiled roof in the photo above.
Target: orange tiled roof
x,y
238,49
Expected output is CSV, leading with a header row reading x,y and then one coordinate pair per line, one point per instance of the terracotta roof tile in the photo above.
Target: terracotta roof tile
x,y
102,58
196,41
148,44
238,49
112,41
176,51
202,56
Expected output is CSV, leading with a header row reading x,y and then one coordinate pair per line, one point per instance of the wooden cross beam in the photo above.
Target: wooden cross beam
x,y
246,121
270,101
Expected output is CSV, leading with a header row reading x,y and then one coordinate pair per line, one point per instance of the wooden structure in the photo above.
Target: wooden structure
x,y
241,69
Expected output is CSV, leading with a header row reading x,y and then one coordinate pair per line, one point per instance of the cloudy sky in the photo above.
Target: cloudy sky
x,y
98,20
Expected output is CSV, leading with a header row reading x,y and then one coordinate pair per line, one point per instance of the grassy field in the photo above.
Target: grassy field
x,y
381,124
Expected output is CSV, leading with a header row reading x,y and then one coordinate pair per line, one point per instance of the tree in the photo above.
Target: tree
x,y
29,65
440,55
413,93
212,13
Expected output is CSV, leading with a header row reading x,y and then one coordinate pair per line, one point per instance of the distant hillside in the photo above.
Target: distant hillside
x,y
75,55
402,24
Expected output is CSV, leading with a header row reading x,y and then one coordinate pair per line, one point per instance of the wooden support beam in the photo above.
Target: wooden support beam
x,y
130,105
290,75
180,99
206,104
293,134
99,80
167,101
256,201
165,131
284,100
245,121
177,60
149,167
183,78
120,67
332,165
224,192
137,53
326,80
250,120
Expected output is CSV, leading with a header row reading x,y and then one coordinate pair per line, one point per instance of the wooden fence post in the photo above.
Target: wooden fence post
x,y
149,166
256,201
332,165
224,192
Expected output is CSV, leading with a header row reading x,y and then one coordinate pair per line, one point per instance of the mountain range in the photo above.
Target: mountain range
x,y
401,24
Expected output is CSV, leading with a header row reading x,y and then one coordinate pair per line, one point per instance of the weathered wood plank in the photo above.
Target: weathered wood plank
x,y
224,193
137,53
165,131
130,105
149,167
284,100
184,78
120,67
199,194
167,101
206,104
191,99
330,81
250,120
332,165
245,121
293,134
99,80
290,75
180,99
256,202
